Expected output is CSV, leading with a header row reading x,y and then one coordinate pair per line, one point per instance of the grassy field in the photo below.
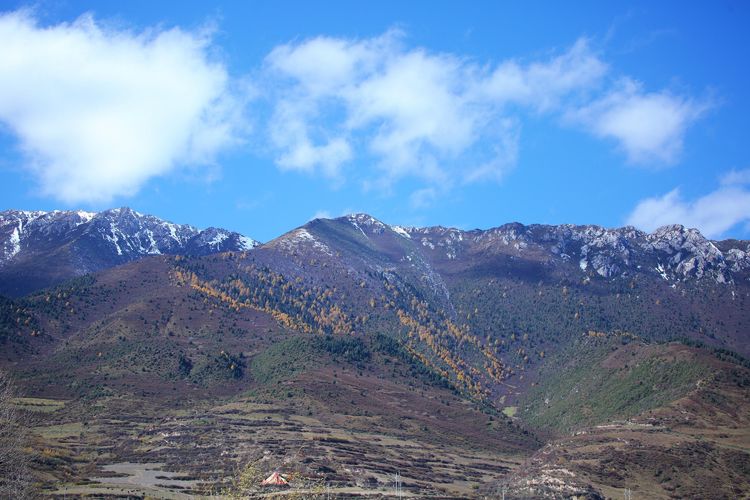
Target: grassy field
x,y
39,405
600,385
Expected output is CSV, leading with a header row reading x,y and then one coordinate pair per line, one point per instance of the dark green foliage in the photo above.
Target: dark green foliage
x,y
721,353
527,317
284,359
391,347
581,390
350,349
184,365
14,319
235,364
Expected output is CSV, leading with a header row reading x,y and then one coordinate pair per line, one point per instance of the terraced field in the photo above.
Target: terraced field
x,y
200,450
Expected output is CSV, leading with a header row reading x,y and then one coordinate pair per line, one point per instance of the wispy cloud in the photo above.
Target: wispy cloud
x,y
438,117
735,177
543,84
650,127
321,214
99,111
340,104
713,214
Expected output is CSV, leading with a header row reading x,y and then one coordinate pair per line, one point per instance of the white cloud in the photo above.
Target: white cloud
x,y
99,111
438,117
650,127
734,177
340,104
713,214
323,65
543,84
290,134
321,214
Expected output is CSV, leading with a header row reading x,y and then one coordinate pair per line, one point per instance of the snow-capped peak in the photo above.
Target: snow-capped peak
x,y
116,235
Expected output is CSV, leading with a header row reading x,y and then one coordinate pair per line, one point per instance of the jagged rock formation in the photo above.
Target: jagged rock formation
x,y
673,252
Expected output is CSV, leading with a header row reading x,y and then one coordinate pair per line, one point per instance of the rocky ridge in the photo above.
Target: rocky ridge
x,y
675,253
39,249
123,232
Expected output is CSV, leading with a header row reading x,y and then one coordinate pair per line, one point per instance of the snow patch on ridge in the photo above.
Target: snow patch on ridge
x,y
15,242
247,243
153,248
173,232
400,230
85,216
662,272
115,241
360,229
301,236
218,239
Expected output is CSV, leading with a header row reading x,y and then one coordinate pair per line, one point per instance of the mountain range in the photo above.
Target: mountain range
x,y
486,347
39,249
83,242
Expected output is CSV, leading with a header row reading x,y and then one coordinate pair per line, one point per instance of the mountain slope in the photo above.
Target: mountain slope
x,y
149,363
40,249
673,423
485,309
346,348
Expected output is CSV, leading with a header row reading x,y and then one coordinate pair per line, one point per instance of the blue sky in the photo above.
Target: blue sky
x,y
257,116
